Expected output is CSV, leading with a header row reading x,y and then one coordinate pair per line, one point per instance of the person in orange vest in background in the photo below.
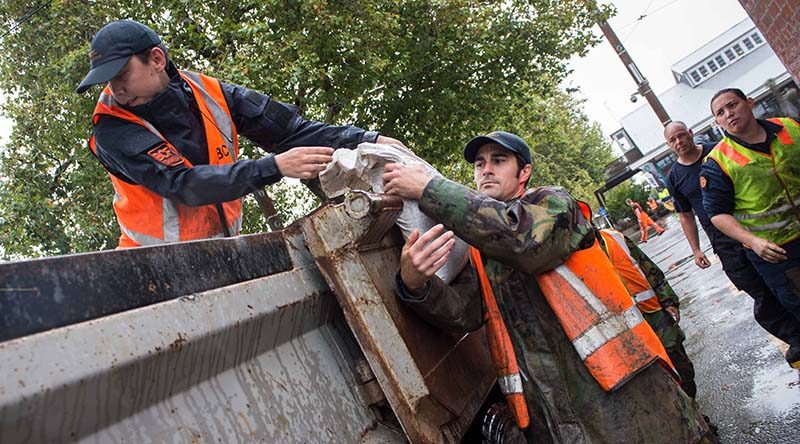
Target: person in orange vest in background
x,y
573,355
654,297
653,204
644,220
169,140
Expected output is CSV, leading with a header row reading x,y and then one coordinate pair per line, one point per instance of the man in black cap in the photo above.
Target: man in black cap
x,y
520,234
168,139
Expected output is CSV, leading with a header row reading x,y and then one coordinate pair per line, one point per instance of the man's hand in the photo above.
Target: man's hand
x,y
389,141
423,255
407,182
767,250
674,312
304,162
701,260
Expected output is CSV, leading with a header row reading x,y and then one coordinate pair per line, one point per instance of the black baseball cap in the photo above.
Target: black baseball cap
x,y
113,46
511,142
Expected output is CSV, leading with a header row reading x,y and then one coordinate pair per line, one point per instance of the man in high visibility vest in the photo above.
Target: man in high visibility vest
x,y
683,182
533,277
645,222
751,191
654,297
169,140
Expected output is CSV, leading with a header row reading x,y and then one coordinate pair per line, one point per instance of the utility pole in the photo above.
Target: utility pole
x,y
643,86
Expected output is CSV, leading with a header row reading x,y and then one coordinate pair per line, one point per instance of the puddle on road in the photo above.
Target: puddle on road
x,y
776,389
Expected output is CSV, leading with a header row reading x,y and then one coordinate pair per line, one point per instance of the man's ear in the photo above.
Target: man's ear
x,y
158,58
525,174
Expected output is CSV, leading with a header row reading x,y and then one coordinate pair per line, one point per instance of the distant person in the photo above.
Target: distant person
x,y
684,184
645,222
169,140
751,191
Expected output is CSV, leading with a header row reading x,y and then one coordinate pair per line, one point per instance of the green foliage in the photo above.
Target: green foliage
x,y
615,200
431,73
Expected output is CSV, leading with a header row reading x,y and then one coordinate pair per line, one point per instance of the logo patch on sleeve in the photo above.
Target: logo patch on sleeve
x,y
703,182
166,155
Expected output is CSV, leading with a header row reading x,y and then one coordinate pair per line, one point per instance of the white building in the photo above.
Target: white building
x,y
738,58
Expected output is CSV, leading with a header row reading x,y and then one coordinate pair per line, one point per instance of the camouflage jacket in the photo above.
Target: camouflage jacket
x,y
518,239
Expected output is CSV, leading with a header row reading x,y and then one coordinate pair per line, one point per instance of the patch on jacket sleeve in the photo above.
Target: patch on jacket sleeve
x,y
166,155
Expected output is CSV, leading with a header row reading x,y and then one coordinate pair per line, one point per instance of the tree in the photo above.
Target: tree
x,y
427,72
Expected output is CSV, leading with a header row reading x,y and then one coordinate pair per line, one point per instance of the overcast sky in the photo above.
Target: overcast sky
x,y
669,31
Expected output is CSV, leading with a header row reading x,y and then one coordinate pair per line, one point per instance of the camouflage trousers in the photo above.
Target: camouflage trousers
x,y
672,337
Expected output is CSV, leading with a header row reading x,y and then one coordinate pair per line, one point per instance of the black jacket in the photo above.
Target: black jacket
x,y
122,146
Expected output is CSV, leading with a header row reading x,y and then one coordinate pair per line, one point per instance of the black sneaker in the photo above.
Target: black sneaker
x,y
793,356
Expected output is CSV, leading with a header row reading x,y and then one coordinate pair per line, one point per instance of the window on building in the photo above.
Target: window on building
x,y
748,43
720,61
738,48
730,54
757,38
695,76
712,65
703,71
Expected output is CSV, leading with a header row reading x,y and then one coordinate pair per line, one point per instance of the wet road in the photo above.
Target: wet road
x,y
744,383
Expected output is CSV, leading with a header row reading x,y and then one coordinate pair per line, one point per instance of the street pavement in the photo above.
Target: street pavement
x,y
744,384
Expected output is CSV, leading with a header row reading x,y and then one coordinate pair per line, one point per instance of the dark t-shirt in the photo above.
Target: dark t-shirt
x,y
683,182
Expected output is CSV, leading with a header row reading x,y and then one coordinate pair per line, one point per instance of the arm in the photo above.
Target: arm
x,y
277,126
137,156
767,250
532,234
718,201
689,227
455,307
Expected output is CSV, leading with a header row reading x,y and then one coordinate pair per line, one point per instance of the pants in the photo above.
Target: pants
x,y
672,337
783,279
645,222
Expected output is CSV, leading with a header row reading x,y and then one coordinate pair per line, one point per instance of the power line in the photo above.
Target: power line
x,y
645,15
25,18
639,20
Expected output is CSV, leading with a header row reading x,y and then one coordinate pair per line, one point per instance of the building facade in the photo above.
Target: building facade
x,y
738,58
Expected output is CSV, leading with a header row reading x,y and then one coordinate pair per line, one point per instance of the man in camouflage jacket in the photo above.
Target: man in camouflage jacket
x,y
521,233
665,321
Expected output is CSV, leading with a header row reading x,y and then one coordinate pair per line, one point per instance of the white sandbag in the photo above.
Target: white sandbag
x,y
362,168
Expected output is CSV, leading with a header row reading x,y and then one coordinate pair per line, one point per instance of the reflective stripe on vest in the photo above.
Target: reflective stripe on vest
x,y
500,346
146,218
630,271
766,186
599,317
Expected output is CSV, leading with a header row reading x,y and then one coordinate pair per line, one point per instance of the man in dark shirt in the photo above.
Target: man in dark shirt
x,y
683,182
749,184
153,132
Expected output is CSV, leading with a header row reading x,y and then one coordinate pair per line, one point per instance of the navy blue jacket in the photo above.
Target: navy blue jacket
x,y
122,146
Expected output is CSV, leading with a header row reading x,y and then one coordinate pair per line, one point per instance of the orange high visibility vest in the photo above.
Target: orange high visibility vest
x,y
503,356
630,271
597,314
146,218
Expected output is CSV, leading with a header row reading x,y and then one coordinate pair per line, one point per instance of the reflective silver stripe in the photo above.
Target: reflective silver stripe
x,y
237,226
587,295
621,241
139,238
645,295
170,221
598,335
772,212
221,119
772,226
510,383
